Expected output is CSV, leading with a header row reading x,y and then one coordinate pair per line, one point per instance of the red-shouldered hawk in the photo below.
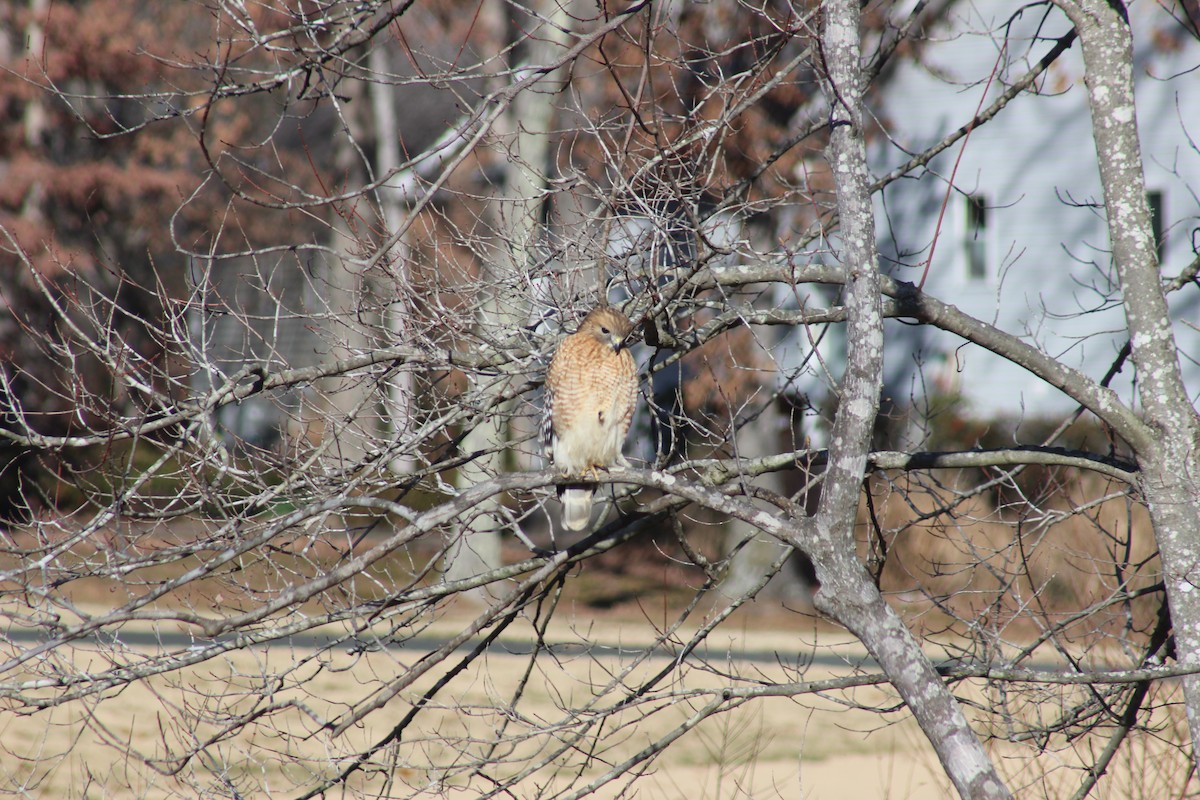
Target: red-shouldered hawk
x,y
591,391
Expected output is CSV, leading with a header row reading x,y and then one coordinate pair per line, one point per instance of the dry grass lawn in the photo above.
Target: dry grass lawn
x,y
808,746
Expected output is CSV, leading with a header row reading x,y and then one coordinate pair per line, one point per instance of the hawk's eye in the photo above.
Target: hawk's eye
x,y
604,330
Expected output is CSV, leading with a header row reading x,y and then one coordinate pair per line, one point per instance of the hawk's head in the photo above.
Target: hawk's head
x,y
607,325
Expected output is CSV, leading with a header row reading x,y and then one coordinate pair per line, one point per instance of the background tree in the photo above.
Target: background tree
x,y
312,385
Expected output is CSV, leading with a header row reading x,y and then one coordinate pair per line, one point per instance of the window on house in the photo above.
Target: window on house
x,y
1155,199
975,237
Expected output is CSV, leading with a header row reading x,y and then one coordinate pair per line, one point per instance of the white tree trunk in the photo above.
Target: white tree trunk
x,y
526,126
346,411
393,203
755,440
846,591
1169,456
34,117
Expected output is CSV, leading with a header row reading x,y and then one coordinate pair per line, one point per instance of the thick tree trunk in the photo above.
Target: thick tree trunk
x,y
345,412
527,125
1169,461
757,551
393,203
846,592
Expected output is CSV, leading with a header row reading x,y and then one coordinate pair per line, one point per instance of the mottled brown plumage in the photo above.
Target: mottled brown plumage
x,y
591,392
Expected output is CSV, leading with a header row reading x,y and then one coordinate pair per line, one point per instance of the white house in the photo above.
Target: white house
x,y
1023,242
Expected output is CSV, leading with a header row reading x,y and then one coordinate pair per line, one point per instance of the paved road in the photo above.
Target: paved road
x,y
175,640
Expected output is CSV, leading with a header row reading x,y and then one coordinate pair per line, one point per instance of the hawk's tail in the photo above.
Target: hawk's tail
x,y
576,505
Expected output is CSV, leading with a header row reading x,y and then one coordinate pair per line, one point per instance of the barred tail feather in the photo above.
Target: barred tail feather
x,y
576,506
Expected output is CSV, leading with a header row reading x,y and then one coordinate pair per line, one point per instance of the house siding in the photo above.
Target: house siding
x,y
1049,274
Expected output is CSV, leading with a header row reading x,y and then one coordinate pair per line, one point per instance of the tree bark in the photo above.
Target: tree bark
x,y
345,407
393,202
527,124
755,440
1169,461
846,591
